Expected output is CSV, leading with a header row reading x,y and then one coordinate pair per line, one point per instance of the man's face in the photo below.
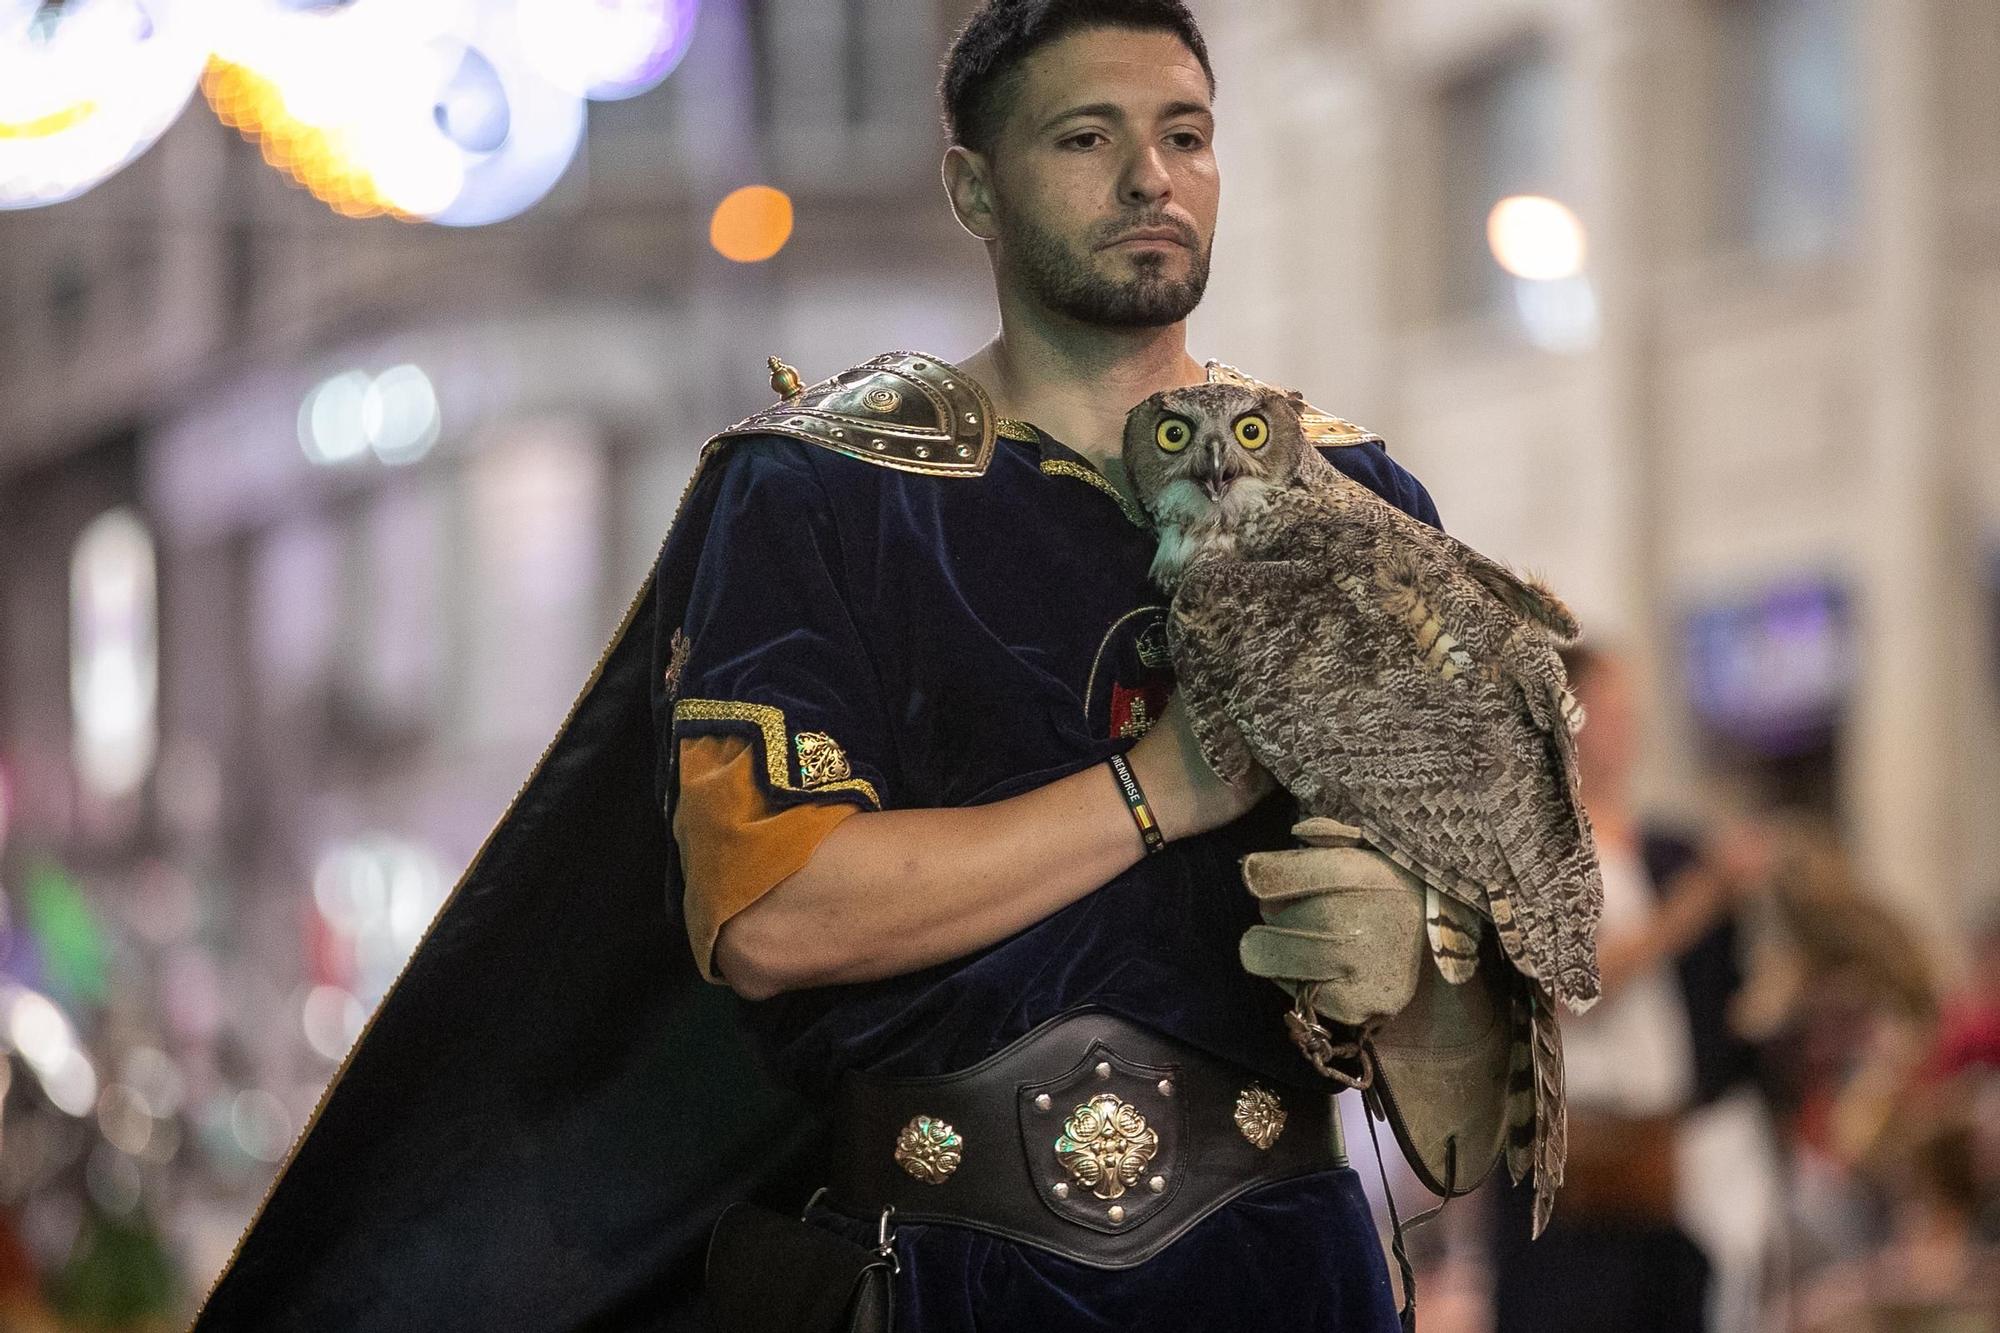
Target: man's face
x,y
1104,180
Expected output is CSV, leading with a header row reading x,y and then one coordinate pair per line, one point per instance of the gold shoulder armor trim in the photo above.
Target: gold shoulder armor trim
x,y
1321,428
905,410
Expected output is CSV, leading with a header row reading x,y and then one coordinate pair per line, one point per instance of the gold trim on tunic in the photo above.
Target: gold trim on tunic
x,y
777,745
1090,476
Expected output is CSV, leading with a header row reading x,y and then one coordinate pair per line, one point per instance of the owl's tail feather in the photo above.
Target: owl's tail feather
x,y
1454,931
1551,1118
1521,1085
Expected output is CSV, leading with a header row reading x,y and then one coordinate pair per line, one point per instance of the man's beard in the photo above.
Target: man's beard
x,y
1066,282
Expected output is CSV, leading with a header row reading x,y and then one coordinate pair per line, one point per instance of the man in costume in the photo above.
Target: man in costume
x,y
885,747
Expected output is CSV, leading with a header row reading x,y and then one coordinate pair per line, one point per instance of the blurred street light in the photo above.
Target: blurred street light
x,y
751,224
607,50
88,86
1536,238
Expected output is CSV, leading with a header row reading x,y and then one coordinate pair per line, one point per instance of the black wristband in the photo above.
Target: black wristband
x,y
1135,800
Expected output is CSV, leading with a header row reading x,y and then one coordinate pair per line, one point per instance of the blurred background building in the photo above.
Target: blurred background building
x,y
312,523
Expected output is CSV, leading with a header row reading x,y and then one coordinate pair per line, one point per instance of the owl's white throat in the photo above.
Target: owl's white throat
x,y
1193,524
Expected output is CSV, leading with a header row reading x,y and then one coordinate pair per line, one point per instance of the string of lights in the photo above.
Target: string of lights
x,y
453,112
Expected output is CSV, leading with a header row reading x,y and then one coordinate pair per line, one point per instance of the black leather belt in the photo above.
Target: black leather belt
x,y
1091,1136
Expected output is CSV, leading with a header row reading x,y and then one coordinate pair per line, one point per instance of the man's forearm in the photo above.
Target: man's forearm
x,y
892,891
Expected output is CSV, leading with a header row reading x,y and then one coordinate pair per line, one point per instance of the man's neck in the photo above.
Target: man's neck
x,y
1078,381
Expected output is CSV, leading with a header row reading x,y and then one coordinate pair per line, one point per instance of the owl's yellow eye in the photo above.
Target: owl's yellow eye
x,y
1172,434
1252,431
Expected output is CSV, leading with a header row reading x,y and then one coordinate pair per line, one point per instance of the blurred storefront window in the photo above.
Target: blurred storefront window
x,y
1770,676
1786,125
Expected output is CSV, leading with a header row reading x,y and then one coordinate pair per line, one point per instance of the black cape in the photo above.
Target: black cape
x,y
547,1111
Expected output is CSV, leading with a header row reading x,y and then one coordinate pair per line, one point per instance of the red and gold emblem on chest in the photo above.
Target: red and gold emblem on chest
x,y
1134,708
1132,675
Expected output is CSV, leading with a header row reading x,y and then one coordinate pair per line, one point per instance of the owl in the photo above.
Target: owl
x,y
1392,679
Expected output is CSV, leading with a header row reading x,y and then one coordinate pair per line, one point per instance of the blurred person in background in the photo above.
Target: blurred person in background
x,y
1671,1197
1968,1036
1894,1098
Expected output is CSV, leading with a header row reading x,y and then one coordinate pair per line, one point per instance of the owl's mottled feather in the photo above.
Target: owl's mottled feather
x,y
1392,678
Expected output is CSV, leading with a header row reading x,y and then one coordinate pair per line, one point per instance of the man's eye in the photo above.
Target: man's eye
x,y
1077,140
1187,139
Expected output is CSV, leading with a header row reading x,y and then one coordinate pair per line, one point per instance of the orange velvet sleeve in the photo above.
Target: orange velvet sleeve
x,y
735,846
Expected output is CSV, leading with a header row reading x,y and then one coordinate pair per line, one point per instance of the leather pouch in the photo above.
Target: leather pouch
x,y
769,1272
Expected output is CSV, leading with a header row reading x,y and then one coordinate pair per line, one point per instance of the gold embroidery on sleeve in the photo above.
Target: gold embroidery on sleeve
x,y
821,760
816,775
677,657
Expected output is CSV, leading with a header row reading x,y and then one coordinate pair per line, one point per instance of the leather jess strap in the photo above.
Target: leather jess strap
x,y
1092,1136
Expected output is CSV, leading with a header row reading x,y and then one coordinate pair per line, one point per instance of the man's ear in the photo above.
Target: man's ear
x,y
968,181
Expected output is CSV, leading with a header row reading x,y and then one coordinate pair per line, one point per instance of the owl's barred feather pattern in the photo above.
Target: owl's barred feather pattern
x,y
1454,932
1392,678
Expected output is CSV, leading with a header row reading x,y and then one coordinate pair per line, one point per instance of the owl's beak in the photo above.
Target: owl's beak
x,y
1218,471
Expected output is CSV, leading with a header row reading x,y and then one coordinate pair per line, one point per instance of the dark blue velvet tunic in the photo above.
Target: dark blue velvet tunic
x,y
963,640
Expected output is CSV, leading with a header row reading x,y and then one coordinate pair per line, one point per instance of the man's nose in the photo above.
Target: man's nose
x,y
1146,180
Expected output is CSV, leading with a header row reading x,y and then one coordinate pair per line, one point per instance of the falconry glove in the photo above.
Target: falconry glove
x,y
1352,936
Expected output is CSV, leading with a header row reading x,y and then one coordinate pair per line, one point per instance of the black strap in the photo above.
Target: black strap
x,y
1372,1106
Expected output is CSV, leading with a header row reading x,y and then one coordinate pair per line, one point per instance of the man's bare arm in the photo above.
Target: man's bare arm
x,y
888,892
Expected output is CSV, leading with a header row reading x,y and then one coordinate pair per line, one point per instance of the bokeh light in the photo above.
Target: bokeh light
x,y
1536,238
88,87
260,1125
33,1026
423,110
606,49
395,414
486,80
113,1180
342,99
377,895
114,654
1558,314
332,1018
330,429
399,415
751,224
458,112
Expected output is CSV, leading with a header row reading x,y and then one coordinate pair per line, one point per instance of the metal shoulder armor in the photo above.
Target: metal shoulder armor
x,y
1322,428
903,410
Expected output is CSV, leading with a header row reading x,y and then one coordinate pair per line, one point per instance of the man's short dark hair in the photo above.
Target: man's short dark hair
x,y
982,71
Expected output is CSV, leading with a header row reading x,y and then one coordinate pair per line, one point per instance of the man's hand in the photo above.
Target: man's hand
x,y
1186,795
1340,914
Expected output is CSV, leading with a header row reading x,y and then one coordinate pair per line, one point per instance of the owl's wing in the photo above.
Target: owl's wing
x,y
1504,629
1274,652
1527,597
1376,721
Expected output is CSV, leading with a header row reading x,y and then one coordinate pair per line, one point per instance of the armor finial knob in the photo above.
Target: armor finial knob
x,y
784,379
